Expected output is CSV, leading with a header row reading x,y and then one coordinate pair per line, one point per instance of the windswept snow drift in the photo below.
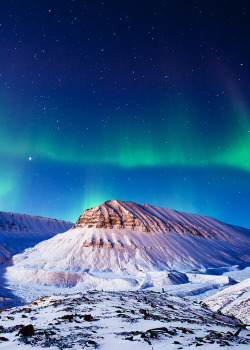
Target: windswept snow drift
x,y
20,231
232,301
127,245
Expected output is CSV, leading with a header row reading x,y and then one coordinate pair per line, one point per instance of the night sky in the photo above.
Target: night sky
x,y
147,101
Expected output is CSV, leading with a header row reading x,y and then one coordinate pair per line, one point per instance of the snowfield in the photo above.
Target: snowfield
x,y
121,320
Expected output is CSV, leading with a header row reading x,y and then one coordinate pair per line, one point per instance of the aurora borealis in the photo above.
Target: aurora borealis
x,y
140,100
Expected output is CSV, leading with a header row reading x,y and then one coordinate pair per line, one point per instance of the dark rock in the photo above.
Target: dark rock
x,y
27,331
153,334
67,317
3,339
92,342
144,312
129,338
237,333
88,317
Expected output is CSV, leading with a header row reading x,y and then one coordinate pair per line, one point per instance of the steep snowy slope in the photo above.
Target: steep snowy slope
x,y
232,301
20,231
122,242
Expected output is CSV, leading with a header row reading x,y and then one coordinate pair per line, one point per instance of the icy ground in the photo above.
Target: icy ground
x,y
119,320
194,286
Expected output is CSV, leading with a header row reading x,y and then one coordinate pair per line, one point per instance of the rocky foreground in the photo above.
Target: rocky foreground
x,y
122,320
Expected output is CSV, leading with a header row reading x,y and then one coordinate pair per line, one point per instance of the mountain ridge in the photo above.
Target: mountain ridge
x,y
109,246
20,231
116,214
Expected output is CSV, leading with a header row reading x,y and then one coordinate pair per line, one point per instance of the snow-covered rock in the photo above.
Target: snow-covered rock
x,y
125,241
20,231
232,301
121,320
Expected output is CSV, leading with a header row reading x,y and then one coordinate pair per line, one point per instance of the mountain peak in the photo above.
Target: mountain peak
x,y
114,214
126,238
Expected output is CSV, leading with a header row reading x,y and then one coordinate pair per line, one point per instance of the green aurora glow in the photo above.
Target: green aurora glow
x,y
171,139
157,113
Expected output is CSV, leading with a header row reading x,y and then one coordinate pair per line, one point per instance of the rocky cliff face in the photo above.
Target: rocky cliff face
x,y
147,218
111,215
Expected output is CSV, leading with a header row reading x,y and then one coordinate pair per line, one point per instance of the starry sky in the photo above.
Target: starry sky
x,y
138,100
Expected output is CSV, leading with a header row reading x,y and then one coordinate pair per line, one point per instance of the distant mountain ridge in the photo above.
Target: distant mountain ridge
x,y
20,231
122,243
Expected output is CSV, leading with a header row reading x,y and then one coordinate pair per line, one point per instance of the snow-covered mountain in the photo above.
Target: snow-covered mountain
x,y
232,301
20,231
125,245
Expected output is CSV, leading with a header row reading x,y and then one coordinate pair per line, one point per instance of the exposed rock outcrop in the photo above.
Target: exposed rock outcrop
x,y
146,218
